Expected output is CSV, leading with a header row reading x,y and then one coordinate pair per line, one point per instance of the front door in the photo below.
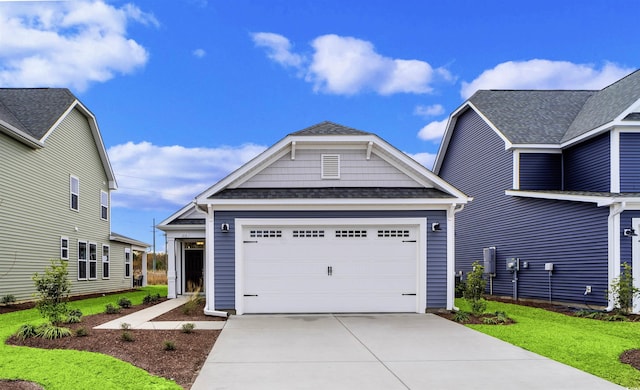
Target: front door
x,y
194,270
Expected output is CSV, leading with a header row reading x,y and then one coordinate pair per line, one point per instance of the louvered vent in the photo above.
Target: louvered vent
x,y
330,166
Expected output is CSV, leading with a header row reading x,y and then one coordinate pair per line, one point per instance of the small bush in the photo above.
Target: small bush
x,y
169,346
72,319
188,327
26,331
461,317
75,313
53,291
110,309
151,298
124,303
82,332
52,332
616,317
125,326
623,291
127,336
498,318
474,289
8,299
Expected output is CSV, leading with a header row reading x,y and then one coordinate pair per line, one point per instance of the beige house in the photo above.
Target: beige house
x,y
55,194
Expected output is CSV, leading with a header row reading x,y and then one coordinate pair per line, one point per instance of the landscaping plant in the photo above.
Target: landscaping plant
x,y
623,290
188,327
474,289
53,290
8,299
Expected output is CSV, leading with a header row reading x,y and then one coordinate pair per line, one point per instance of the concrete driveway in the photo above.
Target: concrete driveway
x,y
378,351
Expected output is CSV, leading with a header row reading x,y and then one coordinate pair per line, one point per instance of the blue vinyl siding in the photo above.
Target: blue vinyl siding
x,y
571,235
224,248
626,243
629,162
540,171
587,166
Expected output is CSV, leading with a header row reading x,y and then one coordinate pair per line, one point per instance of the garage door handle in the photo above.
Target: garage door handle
x,y
408,294
408,240
250,295
329,270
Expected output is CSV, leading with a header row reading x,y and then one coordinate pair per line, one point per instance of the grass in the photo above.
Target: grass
x,y
589,345
157,277
68,369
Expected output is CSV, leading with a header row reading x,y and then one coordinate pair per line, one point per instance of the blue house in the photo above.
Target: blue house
x,y
555,182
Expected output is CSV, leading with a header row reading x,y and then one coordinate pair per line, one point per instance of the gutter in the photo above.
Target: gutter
x,y
455,209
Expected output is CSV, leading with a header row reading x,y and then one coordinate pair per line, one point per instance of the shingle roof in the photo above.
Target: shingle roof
x,y
34,110
537,117
331,193
554,117
329,128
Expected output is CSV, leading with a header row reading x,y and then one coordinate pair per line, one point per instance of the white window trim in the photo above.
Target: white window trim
x,y
104,205
127,262
62,248
94,261
85,260
106,261
71,193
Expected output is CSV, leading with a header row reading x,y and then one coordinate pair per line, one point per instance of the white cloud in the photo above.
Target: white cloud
x,y
426,159
347,66
68,44
427,111
199,53
544,74
433,131
151,176
278,48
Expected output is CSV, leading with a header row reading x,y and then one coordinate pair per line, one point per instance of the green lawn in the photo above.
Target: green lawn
x,y
590,345
67,369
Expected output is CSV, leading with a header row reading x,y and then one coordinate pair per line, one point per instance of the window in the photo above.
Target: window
x,y
82,260
64,248
265,233
127,262
330,166
350,233
93,261
104,205
105,262
74,189
308,233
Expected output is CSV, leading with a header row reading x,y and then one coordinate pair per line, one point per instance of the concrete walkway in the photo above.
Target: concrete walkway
x,y
381,351
142,318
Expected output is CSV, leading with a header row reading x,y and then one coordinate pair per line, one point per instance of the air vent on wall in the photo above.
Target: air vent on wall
x,y
330,166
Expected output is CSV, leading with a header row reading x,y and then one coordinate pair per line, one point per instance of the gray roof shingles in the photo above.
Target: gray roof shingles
x,y
331,193
554,117
34,110
329,128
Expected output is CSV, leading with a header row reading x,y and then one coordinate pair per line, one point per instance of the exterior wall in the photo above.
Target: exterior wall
x,y
629,162
587,166
35,212
626,243
571,235
224,248
305,171
540,171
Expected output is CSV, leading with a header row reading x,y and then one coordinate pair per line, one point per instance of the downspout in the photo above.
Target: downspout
x,y
614,246
451,259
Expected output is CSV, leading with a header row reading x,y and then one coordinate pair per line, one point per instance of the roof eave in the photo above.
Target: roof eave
x,y
20,136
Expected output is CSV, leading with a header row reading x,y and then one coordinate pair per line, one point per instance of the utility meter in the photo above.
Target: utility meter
x,y
513,264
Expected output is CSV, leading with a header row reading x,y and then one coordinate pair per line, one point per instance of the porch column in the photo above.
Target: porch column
x,y
171,267
144,267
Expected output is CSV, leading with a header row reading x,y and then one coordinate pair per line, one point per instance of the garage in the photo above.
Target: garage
x,y
330,268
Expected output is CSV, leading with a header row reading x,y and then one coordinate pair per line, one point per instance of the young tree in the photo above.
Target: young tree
x,y
623,290
474,289
53,291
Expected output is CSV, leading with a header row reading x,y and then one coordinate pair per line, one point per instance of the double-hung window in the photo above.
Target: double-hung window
x,y
104,205
105,262
93,261
64,248
82,260
127,262
74,190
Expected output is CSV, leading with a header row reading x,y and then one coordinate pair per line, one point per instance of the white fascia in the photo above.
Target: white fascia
x,y
352,202
19,135
600,200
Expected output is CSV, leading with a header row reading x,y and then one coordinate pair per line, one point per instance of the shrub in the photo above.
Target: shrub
x,y
8,299
82,332
75,313
53,290
169,346
188,327
110,309
461,316
151,298
51,332
125,326
71,319
474,288
26,331
623,291
127,336
124,303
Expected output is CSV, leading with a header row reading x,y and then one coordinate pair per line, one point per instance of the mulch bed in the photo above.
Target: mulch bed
x,y
30,305
147,349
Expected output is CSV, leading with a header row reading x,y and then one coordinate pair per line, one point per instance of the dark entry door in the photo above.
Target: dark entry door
x,y
194,267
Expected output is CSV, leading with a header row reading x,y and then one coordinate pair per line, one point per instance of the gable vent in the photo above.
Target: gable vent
x,y
330,166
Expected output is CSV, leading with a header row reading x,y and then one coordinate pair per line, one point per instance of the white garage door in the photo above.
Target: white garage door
x,y
323,269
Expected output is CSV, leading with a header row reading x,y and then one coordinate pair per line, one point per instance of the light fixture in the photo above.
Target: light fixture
x,y
435,227
629,232
224,227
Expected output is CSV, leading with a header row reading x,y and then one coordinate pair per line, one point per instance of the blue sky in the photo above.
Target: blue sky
x,y
185,91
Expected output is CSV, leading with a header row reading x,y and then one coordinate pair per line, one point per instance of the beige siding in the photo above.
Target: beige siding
x,y
355,171
35,212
